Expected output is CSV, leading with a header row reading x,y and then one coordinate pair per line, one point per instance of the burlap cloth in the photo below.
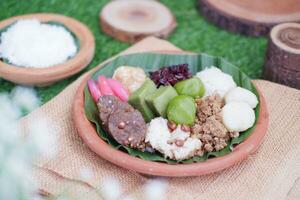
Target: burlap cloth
x,y
273,172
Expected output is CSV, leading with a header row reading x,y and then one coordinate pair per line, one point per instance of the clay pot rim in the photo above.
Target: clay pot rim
x,y
90,137
49,75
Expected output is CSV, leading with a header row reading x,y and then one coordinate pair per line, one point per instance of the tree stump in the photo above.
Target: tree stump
x,y
282,63
250,17
132,20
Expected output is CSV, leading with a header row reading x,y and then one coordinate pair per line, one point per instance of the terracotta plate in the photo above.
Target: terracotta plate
x,y
89,135
49,75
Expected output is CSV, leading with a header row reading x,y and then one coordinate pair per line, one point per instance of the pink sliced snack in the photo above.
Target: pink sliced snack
x,y
94,90
104,87
118,89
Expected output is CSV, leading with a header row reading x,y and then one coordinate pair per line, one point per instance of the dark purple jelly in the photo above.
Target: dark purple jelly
x,y
170,75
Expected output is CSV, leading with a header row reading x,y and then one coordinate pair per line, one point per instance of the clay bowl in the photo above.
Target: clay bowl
x,y
90,137
47,76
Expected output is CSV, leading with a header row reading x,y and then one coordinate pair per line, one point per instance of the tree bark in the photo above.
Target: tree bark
x,y
282,62
250,17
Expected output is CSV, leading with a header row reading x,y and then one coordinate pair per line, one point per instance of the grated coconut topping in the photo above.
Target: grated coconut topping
x,y
30,43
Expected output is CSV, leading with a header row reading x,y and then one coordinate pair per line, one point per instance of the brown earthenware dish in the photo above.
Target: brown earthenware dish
x,y
90,137
49,75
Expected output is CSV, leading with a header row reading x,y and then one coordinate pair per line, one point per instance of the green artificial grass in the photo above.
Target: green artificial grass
x,y
193,33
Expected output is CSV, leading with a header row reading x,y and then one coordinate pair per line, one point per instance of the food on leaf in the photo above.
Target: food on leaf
x,y
125,124
137,99
208,106
188,117
176,145
170,75
215,80
182,110
238,116
212,133
118,89
239,94
158,101
131,78
94,90
103,86
127,128
109,104
192,87
208,126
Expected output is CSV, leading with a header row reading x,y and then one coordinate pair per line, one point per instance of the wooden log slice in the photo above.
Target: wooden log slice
x,y
133,20
282,63
250,17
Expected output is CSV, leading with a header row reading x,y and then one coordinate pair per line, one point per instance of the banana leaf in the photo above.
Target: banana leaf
x,y
154,61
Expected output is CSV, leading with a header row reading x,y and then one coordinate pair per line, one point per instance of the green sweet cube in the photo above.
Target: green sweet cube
x,y
137,99
159,100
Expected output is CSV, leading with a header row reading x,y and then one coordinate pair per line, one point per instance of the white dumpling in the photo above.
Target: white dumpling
x,y
239,94
216,81
237,116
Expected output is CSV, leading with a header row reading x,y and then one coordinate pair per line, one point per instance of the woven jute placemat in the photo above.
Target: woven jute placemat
x,y
273,172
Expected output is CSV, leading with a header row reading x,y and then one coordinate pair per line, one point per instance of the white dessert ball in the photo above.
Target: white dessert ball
x,y
239,94
237,116
216,81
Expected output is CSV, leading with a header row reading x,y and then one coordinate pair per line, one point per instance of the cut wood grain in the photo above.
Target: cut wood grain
x,y
133,20
282,63
250,17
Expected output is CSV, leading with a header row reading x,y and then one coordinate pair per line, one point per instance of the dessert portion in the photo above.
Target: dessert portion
x,y
215,80
132,78
159,100
31,43
109,104
127,128
124,123
172,141
208,126
182,110
239,94
172,113
138,99
238,116
170,75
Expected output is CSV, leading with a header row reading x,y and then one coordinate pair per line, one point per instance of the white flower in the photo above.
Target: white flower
x,y
16,180
16,152
8,111
86,173
25,98
37,197
62,198
8,118
155,189
128,198
111,189
44,140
